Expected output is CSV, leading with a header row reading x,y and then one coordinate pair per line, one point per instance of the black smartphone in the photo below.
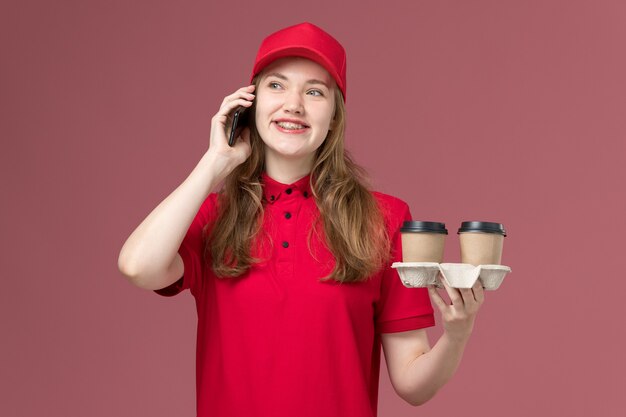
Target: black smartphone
x,y
240,120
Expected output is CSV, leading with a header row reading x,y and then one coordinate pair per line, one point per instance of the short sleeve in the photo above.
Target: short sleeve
x,y
400,308
191,250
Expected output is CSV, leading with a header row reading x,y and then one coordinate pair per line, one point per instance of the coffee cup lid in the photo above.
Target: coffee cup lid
x,y
423,227
482,227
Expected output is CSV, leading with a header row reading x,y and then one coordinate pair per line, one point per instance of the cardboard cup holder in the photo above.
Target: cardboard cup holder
x,y
423,274
417,274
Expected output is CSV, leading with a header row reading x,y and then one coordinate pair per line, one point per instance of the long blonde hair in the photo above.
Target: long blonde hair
x,y
353,224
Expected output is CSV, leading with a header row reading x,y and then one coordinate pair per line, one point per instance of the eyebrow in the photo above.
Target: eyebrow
x,y
282,77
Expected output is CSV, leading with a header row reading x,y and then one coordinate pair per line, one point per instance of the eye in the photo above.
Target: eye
x,y
317,93
274,85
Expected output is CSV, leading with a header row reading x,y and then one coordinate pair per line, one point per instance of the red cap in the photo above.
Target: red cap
x,y
307,41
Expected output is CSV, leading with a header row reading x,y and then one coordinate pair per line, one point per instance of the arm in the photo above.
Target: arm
x,y
418,372
149,257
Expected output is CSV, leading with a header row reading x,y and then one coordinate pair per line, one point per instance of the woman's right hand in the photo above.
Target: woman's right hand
x,y
150,258
225,158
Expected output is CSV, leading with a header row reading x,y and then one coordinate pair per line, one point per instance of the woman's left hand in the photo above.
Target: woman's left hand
x,y
458,317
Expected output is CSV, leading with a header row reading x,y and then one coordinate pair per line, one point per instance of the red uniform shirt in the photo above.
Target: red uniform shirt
x,y
277,341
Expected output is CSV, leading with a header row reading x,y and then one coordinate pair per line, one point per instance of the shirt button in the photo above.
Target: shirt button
x,y
272,198
305,194
285,244
288,190
287,215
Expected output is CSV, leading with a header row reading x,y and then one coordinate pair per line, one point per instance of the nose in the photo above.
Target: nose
x,y
293,103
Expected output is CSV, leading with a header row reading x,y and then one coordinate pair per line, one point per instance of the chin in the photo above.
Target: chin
x,y
288,153
287,150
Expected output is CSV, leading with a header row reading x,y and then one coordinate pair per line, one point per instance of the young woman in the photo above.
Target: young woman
x,y
289,263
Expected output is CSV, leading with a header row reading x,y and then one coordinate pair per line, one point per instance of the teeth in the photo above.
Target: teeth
x,y
290,126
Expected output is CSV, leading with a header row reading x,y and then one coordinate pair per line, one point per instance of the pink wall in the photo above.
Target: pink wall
x,y
497,110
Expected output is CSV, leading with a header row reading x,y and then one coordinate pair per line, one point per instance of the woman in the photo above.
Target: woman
x,y
289,263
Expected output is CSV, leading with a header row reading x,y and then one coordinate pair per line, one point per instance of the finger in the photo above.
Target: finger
x,y
436,299
479,292
224,115
248,89
228,108
453,293
244,92
468,296
248,96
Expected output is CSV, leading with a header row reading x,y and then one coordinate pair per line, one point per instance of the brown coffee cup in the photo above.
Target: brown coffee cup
x,y
423,241
481,242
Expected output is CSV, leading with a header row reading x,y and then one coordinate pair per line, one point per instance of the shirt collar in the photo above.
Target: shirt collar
x,y
273,190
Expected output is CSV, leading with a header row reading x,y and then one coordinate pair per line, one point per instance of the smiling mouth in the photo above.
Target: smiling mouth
x,y
290,126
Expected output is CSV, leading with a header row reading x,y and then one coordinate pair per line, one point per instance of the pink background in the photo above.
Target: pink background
x,y
509,111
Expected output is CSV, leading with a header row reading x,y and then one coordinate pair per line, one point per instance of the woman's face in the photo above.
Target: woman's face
x,y
295,105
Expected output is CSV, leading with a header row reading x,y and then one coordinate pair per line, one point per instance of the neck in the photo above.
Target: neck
x,y
287,171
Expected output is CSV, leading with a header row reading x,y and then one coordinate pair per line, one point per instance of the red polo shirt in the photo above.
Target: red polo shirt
x,y
277,341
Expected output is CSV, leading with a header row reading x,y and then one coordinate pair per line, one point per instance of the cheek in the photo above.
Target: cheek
x,y
257,119
265,106
329,120
329,116
259,110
